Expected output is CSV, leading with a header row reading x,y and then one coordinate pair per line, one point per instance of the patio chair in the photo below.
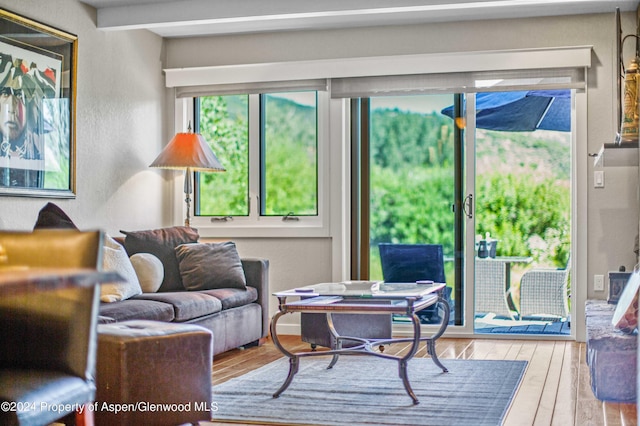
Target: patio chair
x,y
490,293
49,337
544,293
406,263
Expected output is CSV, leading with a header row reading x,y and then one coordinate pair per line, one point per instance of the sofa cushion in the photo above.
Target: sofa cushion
x,y
600,333
162,243
187,305
105,320
149,270
206,266
138,309
234,297
52,216
611,355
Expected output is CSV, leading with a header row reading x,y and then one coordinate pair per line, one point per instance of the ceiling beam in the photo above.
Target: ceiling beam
x,y
202,17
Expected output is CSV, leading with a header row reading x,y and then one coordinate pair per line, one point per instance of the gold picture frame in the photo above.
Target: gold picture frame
x,y
37,108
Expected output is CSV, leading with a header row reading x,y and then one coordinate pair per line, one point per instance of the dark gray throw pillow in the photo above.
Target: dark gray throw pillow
x,y
208,266
52,216
162,243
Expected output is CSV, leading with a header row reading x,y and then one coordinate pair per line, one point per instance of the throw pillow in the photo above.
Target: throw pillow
x,y
117,260
207,266
162,243
625,317
111,243
52,216
149,270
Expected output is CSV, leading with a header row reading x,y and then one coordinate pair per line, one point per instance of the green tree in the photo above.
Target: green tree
x,y
224,124
527,209
529,216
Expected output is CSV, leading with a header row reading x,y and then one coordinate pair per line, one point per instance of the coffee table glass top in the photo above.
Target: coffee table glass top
x,y
365,289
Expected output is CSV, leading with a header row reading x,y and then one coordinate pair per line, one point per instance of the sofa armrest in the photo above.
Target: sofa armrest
x,y
257,273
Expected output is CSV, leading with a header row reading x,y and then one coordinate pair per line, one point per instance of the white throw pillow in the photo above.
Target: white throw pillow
x,y
149,270
111,243
116,259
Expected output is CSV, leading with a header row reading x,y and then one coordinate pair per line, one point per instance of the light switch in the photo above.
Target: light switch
x,y
598,179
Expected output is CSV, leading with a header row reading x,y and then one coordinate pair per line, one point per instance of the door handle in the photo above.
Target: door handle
x,y
467,206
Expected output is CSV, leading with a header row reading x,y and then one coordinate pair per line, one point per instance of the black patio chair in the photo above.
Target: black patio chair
x,y
406,263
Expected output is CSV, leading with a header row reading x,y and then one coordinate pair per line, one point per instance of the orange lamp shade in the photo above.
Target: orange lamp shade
x,y
188,150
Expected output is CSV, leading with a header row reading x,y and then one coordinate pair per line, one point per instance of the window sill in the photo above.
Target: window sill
x,y
279,231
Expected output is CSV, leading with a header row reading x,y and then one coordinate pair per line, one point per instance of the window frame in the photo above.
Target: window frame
x,y
255,225
263,159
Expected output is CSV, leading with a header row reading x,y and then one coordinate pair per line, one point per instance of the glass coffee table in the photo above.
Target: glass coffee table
x,y
363,297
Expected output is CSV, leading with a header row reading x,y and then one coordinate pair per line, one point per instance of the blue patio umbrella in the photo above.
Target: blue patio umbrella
x,y
522,111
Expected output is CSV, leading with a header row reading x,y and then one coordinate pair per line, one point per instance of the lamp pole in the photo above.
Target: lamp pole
x,y
188,189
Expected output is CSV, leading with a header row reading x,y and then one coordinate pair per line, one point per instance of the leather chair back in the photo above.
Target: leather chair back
x,y
51,330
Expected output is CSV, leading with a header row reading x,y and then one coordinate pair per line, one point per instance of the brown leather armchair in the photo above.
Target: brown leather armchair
x,y
49,338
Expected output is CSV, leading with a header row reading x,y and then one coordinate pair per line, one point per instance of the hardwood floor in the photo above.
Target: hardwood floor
x,y
554,391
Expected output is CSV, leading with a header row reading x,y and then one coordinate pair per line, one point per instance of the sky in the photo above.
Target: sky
x,y
424,104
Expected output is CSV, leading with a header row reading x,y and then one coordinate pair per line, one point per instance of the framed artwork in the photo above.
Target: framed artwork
x,y
37,108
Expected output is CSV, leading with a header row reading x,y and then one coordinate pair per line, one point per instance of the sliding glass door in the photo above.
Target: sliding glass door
x,y
409,154
433,170
522,212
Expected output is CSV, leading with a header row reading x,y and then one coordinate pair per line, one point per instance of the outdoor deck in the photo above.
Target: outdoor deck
x,y
492,325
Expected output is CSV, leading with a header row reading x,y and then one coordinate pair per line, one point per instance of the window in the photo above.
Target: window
x,y
289,143
224,123
270,146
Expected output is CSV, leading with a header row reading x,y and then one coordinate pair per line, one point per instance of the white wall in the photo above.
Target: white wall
x,y
120,125
612,211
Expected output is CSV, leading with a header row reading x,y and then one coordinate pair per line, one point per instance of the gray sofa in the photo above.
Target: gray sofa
x,y
200,293
236,315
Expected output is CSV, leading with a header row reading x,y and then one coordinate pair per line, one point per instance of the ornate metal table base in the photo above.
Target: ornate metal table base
x,y
366,346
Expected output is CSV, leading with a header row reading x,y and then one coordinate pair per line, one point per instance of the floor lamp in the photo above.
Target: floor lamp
x,y
191,152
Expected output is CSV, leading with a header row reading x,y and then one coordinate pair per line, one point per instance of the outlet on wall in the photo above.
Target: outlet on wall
x,y
598,179
598,282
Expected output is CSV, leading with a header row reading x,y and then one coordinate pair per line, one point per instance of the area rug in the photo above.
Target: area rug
x,y
362,390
